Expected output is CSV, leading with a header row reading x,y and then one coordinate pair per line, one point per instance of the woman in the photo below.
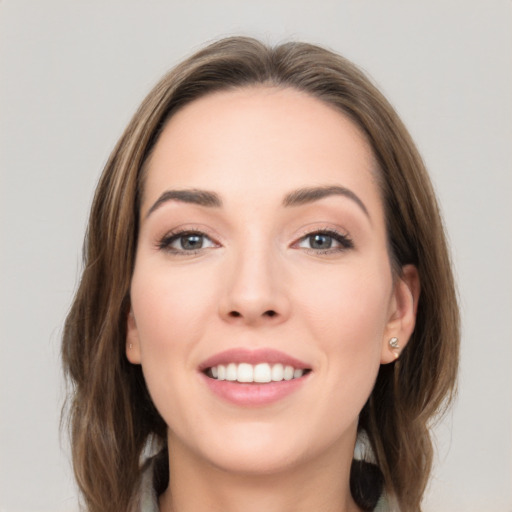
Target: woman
x,y
266,280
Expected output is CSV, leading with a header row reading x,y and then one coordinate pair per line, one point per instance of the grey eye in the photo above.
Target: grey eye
x,y
190,242
186,242
325,241
320,241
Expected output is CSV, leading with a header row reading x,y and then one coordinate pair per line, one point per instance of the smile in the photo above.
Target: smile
x,y
254,377
260,373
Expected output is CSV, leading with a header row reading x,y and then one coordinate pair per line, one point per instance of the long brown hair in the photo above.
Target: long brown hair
x,y
111,415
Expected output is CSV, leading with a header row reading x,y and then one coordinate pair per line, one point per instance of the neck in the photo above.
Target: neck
x,y
196,486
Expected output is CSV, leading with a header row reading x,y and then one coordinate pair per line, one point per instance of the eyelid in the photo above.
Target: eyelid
x,y
342,238
163,243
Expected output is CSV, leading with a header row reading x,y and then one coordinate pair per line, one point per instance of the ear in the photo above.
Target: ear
x,y
132,339
402,314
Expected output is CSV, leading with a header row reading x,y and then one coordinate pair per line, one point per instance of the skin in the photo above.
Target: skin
x,y
257,282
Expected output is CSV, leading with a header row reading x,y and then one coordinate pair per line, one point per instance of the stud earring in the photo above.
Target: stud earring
x,y
130,345
393,343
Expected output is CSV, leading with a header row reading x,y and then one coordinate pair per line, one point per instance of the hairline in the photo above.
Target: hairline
x,y
375,170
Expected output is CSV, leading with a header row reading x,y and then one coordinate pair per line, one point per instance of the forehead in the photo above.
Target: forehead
x,y
260,138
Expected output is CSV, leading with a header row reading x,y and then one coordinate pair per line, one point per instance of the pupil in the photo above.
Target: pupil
x,y
191,242
320,241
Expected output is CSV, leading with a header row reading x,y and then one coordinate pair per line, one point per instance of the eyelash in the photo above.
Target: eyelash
x,y
165,244
344,241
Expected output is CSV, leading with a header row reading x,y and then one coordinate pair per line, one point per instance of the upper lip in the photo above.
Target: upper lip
x,y
254,356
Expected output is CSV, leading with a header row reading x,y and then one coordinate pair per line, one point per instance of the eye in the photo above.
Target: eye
x,y
324,242
186,242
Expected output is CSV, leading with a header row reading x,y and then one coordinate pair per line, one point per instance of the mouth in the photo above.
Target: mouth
x,y
261,373
254,377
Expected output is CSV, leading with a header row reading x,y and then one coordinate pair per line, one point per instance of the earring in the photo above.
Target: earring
x,y
130,345
393,343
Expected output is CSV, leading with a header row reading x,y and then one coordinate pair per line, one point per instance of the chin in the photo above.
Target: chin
x,y
250,462
251,448
260,449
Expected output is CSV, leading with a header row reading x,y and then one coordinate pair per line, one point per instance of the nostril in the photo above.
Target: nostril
x,y
269,313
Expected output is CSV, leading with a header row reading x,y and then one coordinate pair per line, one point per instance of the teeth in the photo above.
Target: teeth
x,y
231,371
277,372
245,373
261,373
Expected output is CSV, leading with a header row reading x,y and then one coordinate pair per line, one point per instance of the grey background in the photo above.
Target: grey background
x,y
72,74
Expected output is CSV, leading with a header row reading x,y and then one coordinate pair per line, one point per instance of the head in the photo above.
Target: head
x,y
113,415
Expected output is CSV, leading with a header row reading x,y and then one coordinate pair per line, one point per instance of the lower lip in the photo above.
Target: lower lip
x,y
253,394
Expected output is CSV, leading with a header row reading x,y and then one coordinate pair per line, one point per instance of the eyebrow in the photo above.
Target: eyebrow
x,y
297,197
311,194
191,196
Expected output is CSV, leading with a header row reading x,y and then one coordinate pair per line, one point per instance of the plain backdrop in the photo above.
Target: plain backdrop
x,y
72,74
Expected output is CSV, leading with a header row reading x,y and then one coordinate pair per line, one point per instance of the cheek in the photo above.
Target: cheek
x,y
171,311
351,305
348,317
170,308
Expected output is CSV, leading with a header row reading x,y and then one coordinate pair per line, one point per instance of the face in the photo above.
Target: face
x,y
262,295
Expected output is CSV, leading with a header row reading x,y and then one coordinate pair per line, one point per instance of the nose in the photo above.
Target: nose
x,y
255,291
